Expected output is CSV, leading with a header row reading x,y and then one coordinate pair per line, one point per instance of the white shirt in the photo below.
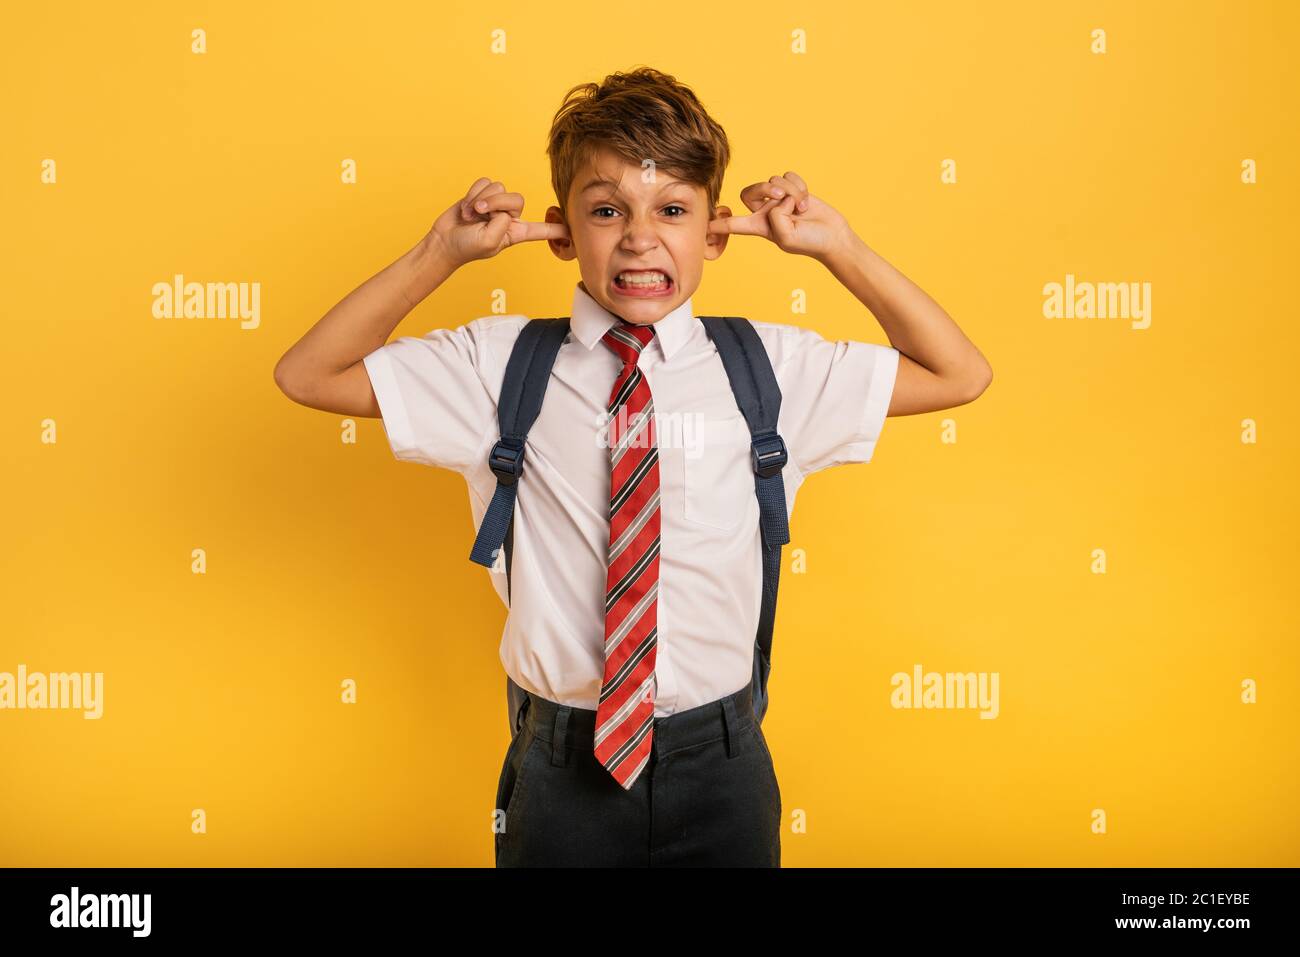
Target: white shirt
x,y
438,393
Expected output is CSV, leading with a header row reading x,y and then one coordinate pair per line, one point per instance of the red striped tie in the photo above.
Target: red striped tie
x,y
625,714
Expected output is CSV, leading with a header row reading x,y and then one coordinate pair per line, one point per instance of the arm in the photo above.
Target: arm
x,y
938,367
323,369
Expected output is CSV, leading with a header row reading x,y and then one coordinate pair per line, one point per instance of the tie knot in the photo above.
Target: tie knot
x,y
627,339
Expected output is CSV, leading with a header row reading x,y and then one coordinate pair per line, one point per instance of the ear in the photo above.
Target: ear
x,y
563,248
715,243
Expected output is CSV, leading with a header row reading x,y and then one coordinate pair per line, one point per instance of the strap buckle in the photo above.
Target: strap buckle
x,y
507,462
768,453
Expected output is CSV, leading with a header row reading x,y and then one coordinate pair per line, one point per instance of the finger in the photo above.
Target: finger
x,y
492,189
797,180
800,186
498,228
760,214
759,193
780,218
752,225
512,203
528,232
470,193
475,187
717,224
753,196
783,187
481,190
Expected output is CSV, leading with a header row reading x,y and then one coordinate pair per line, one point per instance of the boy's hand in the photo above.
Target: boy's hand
x,y
785,212
485,221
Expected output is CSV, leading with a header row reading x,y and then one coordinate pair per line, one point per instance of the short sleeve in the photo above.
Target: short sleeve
x,y
834,397
433,396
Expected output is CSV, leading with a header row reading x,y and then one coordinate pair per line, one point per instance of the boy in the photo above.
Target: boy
x,y
633,586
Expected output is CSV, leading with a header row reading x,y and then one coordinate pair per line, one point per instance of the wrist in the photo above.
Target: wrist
x,y
430,264
435,254
842,249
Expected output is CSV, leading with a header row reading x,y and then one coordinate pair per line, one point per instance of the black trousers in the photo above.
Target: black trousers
x,y
708,797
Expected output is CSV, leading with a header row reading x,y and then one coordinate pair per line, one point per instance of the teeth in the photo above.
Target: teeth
x,y
642,278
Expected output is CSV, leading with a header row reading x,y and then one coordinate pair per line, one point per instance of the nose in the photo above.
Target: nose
x,y
639,235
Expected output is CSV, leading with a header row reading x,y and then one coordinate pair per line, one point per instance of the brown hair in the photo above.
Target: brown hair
x,y
639,115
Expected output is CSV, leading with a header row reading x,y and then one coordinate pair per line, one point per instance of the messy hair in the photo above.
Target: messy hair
x,y
644,114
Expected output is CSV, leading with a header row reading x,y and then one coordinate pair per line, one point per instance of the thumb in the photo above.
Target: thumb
x,y
780,218
496,229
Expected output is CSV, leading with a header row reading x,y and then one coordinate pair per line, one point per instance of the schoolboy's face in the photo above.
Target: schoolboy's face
x,y
640,241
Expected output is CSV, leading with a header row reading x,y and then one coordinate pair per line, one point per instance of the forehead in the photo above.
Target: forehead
x,y
604,173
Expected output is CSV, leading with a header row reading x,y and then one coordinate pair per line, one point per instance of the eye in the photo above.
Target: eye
x,y
599,209
675,206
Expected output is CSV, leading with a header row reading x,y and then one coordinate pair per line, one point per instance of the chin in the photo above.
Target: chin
x,y
642,312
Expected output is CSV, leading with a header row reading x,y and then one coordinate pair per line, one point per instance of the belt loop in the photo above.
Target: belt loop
x,y
731,727
522,712
559,736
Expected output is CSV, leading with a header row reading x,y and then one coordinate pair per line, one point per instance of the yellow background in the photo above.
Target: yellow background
x,y
329,561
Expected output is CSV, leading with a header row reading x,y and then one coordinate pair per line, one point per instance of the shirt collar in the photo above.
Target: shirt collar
x,y
589,321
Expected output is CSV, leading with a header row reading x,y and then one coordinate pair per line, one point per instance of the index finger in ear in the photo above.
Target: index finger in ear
x,y
534,231
720,225
735,226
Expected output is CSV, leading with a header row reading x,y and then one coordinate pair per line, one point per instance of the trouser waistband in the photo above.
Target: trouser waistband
x,y
727,718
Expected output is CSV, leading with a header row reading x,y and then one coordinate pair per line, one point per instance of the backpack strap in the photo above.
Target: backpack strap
x,y
528,372
758,395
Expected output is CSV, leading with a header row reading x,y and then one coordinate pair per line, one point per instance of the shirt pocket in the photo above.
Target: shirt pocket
x,y
718,476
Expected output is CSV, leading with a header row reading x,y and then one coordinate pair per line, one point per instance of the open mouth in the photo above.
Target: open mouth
x,y
643,282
